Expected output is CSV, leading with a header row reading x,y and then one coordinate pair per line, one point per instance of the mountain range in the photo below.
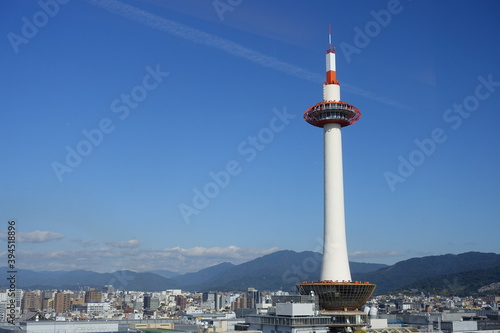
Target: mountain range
x,y
464,273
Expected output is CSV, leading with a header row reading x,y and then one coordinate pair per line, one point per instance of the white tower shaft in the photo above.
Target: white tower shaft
x,y
335,258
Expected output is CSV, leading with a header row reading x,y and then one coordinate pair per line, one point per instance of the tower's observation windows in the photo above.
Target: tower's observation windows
x,y
332,112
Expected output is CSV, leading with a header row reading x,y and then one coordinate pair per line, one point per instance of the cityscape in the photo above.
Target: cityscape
x,y
154,205
179,310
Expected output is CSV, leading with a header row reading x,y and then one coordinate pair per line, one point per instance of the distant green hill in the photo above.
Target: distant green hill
x,y
477,282
460,274
280,270
74,280
409,271
194,279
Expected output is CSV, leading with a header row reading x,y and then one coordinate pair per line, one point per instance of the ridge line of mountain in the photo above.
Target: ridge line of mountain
x,y
280,270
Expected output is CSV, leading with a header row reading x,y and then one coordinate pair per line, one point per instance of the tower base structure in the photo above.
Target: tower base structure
x,y
335,296
341,302
346,321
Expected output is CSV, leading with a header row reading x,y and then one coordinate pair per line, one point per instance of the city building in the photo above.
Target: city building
x,y
146,301
93,296
62,302
253,298
31,302
210,300
97,309
181,302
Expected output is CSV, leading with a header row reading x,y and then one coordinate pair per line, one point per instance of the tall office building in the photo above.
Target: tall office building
x,y
146,298
62,302
210,300
253,298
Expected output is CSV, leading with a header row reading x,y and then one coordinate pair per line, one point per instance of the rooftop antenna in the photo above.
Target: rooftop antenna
x,y
330,46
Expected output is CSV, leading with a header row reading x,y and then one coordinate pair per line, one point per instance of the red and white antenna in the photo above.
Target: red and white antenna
x,y
331,88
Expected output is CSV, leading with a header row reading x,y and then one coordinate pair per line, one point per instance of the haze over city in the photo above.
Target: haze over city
x,y
169,135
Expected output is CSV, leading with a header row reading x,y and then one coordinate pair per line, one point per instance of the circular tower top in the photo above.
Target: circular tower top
x,y
332,112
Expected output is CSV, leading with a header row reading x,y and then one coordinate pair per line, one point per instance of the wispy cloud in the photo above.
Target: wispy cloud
x,y
85,242
371,254
112,258
200,37
125,244
230,252
36,236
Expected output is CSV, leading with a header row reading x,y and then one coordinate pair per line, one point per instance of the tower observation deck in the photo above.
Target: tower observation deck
x,y
338,295
332,112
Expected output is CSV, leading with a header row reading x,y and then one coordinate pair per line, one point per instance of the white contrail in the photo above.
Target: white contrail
x,y
200,37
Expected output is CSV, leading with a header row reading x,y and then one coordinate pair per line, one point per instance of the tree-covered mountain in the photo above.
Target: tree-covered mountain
x,y
463,273
165,273
194,279
477,282
74,280
275,271
279,270
408,271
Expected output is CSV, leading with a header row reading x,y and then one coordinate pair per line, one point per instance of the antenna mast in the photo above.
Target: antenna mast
x,y
330,46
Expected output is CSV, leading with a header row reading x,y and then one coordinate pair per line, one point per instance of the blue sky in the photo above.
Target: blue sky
x,y
116,115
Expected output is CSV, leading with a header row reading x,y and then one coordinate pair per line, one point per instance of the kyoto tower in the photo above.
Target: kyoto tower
x,y
336,291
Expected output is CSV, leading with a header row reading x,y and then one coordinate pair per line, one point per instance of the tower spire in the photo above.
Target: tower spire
x,y
331,88
330,46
